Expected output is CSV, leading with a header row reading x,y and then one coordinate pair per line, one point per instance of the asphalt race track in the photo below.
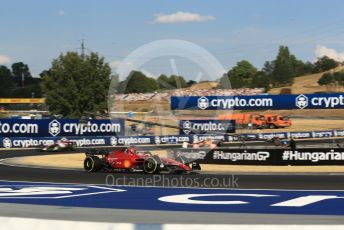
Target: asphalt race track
x,y
237,181
259,181
266,181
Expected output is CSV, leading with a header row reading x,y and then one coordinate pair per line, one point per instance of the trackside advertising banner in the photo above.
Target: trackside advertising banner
x,y
259,102
59,128
308,156
23,142
206,126
31,142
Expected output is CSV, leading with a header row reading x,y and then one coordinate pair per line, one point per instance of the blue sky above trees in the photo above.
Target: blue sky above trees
x,y
37,31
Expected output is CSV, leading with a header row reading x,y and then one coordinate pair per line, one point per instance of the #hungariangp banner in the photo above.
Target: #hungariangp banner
x,y
59,128
259,102
282,156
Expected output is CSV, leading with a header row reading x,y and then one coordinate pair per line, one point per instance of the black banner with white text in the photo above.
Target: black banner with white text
x,y
305,156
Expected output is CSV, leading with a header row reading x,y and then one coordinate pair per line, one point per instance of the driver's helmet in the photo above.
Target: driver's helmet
x,y
61,143
63,140
209,141
132,149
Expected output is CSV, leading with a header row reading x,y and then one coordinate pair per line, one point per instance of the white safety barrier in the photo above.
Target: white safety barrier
x,y
14,223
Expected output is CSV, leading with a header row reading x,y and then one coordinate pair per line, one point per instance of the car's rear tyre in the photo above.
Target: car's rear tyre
x,y
152,165
92,164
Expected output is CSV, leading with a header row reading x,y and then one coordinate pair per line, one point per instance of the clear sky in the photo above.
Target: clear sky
x,y
37,31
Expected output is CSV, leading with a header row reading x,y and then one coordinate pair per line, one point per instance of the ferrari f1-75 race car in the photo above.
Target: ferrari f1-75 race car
x,y
130,160
60,145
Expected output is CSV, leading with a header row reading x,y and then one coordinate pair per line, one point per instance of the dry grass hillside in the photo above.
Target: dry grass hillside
x,y
304,84
309,84
205,85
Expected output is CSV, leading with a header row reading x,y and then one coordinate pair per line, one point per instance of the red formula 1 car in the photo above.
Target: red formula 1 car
x,y
131,160
60,145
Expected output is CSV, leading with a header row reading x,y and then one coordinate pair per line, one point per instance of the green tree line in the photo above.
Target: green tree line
x,y
276,73
17,82
332,80
75,83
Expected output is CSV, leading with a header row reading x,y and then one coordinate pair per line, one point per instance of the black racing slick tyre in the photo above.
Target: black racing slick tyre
x,y
152,165
92,164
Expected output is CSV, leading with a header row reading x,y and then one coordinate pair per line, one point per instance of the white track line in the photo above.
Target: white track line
x,y
132,186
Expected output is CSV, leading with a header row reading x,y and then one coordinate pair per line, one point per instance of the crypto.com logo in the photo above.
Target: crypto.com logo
x,y
301,101
54,128
7,143
203,103
173,53
113,141
157,140
186,127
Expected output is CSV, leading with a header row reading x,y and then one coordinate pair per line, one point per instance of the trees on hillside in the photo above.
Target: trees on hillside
x,y
326,79
190,83
76,84
21,73
261,80
240,76
279,72
283,67
71,73
332,80
18,82
177,81
289,66
7,82
137,82
286,67
300,68
323,64
171,82
245,75
163,82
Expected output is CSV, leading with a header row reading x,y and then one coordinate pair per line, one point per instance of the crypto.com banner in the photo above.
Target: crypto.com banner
x,y
59,128
206,126
38,142
259,102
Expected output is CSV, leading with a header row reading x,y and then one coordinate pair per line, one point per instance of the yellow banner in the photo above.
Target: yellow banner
x,y
22,100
